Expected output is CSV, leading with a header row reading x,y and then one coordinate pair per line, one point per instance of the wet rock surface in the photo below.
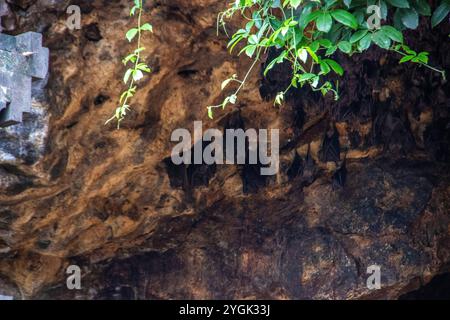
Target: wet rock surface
x,y
364,181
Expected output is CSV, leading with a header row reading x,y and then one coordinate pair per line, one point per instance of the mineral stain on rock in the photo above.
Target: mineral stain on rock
x,y
363,181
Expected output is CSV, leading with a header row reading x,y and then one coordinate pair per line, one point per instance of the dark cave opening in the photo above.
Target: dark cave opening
x,y
437,289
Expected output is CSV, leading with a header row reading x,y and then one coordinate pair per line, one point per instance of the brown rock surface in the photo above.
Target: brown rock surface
x,y
140,227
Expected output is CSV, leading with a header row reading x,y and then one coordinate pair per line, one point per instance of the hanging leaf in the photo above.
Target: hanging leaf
x,y
345,17
393,33
409,17
381,39
399,3
324,67
303,55
131,34
324,22
147,27
422,7
406,58
345,46
335,66
137,75
295,3
365,42
440,13
358,35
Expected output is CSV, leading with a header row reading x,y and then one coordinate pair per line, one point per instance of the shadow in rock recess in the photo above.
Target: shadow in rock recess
x,y
437,289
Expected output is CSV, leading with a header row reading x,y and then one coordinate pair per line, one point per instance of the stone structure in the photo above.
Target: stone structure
x,y
22,59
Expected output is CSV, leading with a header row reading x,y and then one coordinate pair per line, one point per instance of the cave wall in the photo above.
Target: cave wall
x,y
81,192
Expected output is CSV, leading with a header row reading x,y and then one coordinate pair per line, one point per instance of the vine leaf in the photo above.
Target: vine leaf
x,y
409,17
147,27
345,17
399,3
131,34
441,12
324,22
304,33
135,72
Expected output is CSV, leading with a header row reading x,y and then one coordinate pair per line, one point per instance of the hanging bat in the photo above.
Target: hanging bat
x,y
340,176
309,168
296,168
331,149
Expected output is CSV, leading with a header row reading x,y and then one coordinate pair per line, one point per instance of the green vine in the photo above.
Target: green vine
x,y
306,34
136,68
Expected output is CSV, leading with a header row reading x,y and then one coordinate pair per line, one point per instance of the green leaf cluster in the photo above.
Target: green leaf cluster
x,y
133,61
306,34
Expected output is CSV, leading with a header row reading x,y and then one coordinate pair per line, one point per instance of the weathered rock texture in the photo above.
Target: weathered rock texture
x,y
109,200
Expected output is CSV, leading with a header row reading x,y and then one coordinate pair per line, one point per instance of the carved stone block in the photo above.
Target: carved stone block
x,y
22,59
